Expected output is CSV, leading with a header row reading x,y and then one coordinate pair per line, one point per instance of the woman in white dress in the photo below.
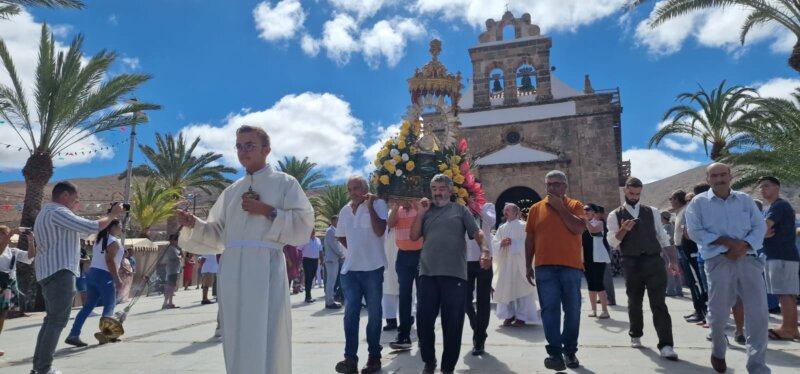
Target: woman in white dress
x,y
516,299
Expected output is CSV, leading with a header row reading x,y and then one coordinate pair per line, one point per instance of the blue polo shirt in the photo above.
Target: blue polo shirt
x,y
782,245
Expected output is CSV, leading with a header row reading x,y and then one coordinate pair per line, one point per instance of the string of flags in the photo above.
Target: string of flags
x,y
18,207
81,152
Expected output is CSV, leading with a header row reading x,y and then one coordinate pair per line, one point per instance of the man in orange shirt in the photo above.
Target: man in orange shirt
x,y
554,230
401,217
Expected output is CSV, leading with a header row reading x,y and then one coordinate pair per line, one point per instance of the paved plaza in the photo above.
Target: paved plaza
x,y
181,341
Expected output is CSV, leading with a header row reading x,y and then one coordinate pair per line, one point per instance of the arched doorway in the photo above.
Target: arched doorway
x,y
522,196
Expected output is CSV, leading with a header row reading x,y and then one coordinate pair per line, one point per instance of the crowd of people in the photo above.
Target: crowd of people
x,y
409,261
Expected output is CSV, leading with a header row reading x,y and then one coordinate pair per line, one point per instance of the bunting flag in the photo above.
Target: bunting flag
x,y
81,152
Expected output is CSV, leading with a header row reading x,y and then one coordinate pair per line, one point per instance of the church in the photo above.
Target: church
x,y
521,121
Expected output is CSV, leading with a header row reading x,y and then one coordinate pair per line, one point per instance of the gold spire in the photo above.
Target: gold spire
x,y
434,79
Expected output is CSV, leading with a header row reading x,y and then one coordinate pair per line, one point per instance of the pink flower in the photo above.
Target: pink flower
x,y
465,168
462,146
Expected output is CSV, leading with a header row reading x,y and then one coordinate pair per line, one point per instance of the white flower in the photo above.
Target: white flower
x,y
405,156
398,173
394,152
393,162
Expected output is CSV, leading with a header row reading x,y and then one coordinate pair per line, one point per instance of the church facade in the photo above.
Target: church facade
x,y
521,121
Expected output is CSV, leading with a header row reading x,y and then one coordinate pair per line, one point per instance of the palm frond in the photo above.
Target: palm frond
x,y
303,171
329,203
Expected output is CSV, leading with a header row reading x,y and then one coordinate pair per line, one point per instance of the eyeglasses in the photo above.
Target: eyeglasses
x,y
247,147
555,184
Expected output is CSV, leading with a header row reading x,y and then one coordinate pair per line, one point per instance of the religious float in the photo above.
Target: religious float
x,y
428,142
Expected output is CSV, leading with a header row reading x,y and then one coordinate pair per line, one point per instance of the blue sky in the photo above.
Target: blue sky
x,y
327,77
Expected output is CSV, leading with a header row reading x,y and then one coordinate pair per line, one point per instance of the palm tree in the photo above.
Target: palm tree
x,y
783,12
303,171
10,8
771,142
74,99
330,202
174,165
152,204
717,121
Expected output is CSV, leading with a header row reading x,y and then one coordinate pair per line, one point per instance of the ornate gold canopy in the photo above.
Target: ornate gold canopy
x,y
434,79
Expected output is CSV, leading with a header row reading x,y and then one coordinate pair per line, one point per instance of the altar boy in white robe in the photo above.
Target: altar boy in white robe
x,y
515,297
251,221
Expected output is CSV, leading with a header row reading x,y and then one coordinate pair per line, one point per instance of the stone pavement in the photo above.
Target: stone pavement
x,y
181,341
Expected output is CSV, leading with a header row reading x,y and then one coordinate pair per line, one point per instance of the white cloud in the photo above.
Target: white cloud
x,y
112,20
551,15
715,28
279,22
309,45
651,165
294,122
131,62
388,39
778,87
339,38
362,8
370,152
689,147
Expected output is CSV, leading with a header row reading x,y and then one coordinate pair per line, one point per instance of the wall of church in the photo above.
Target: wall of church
x,y
585,144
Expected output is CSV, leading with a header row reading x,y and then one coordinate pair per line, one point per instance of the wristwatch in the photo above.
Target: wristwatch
x,y
273,215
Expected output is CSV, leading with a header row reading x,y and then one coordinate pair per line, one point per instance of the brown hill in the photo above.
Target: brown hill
x,y
657,193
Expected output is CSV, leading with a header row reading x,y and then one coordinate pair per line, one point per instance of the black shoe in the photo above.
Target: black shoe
x,y
206,302
76,341
694,319
740,339
775,310
391,324
333,306
478,349
401,344
429,368
310,301
572,361
347,366
689,316
555,363
373,366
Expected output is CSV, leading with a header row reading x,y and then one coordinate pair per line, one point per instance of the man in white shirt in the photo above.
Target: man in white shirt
x,y
362,223
57,231
208,275
310,252
637,230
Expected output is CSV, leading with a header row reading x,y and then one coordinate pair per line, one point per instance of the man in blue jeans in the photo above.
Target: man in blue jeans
x,y
362,222
554,230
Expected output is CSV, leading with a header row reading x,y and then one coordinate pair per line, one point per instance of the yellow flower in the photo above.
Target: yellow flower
x,y
448,173
462,192
458,179
410,165
401,144
397,159
461,201
384,179
389,143
413,150
457,159
391,169
388,166
383,152
442,167
377,162
456,170
374,178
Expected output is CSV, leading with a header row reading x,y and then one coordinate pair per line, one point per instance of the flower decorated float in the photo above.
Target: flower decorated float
x,y
428,142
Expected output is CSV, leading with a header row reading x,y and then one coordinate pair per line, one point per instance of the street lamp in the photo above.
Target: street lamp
x,y
138,117
194,203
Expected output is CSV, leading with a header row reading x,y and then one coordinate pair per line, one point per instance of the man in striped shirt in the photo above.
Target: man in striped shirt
x,y
57,231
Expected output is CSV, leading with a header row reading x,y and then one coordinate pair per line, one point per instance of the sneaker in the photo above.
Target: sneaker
x,y
347,366
310,301
478,349
694,319
391,324
333,306
401,344
555,363
76,341
636,343
373,366
572,361
668,353
740,339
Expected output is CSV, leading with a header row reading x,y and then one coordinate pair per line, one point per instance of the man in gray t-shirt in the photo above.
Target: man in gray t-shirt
x,y
443,271
172,260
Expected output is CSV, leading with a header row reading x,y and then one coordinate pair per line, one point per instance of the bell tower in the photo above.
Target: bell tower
x,y
504,71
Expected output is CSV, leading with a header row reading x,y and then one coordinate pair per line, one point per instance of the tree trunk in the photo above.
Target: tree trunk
x,y
794,58
37,172
718,150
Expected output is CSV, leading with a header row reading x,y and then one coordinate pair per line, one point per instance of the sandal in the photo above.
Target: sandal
x,y
508,322
519,322
604,315
592,315
774,335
